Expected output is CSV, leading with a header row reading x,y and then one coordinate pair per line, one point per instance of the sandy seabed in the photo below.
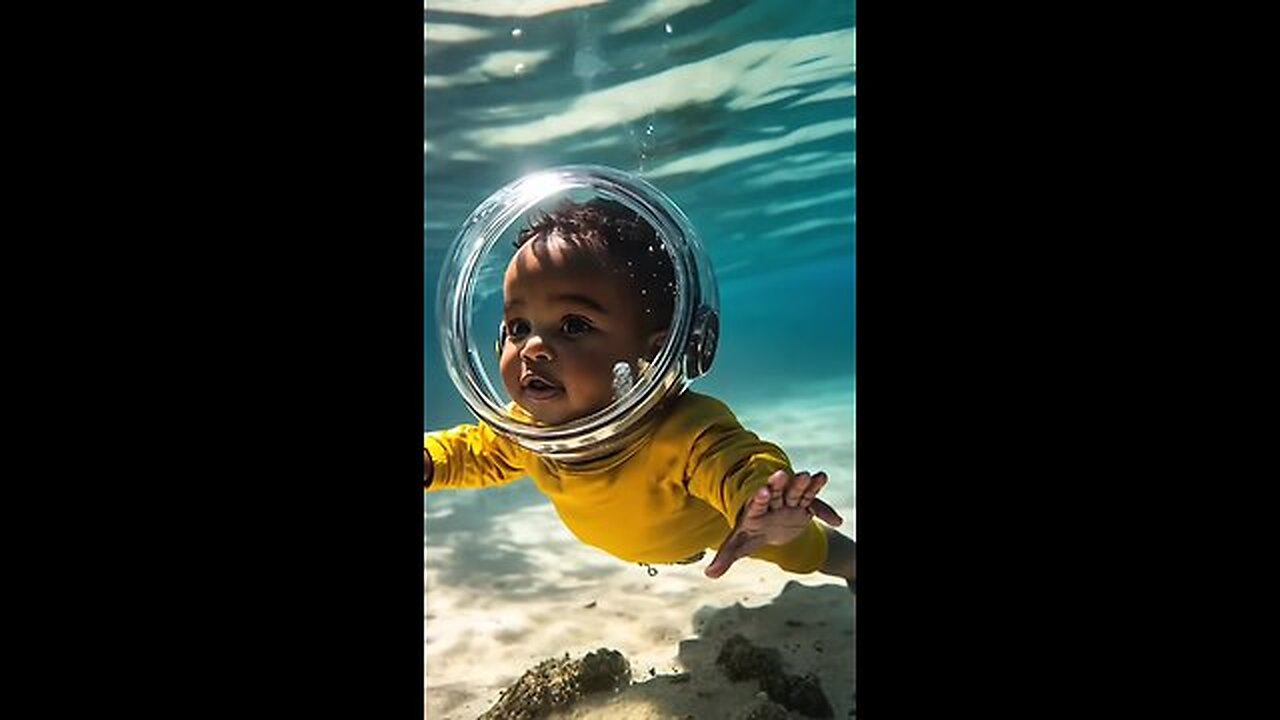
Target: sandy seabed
x,y
507,586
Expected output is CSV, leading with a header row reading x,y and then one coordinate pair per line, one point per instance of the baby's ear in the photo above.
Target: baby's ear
x,y
655,343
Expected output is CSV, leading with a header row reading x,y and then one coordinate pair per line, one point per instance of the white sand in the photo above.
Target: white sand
x,y
526,599
507,586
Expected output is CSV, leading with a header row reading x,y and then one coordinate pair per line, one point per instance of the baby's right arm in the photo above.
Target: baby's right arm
x,y
470,456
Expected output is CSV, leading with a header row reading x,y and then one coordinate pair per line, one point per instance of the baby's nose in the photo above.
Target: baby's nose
x,y
535,349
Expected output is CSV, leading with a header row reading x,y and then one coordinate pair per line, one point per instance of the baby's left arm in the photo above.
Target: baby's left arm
x,y
775,515
727,464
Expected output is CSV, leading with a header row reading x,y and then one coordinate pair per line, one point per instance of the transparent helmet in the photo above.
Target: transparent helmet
x,y
471,317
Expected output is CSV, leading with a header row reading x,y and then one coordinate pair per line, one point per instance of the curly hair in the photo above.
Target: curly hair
x,y
623,241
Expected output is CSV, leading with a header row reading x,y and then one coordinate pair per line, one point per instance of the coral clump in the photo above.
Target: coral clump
x,y
555,683
742,660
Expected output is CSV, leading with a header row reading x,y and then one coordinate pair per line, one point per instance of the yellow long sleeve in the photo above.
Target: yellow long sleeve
x,y
726,462
679,493
473,456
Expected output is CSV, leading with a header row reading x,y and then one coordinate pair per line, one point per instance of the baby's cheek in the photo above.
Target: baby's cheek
x,y
592,393
510,372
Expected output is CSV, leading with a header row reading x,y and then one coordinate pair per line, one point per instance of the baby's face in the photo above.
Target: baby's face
x,y
569,320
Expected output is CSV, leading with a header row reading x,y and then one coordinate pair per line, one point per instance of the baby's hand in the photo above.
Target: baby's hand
x,y
775,515
801,490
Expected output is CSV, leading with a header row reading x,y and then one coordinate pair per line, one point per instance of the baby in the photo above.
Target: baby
x,y
591,287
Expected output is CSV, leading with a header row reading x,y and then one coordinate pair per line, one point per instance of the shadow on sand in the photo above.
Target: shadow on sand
x,y
812,627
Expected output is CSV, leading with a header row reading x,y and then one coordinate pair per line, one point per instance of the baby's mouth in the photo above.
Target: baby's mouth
x,y
539,388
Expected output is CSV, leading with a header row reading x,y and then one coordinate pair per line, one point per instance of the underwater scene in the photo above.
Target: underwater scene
x,y
744,114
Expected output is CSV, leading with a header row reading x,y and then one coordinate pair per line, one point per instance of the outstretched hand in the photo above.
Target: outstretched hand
x,y
775,515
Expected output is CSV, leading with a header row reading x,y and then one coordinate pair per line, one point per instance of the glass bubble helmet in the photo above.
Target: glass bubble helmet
x,y
468,343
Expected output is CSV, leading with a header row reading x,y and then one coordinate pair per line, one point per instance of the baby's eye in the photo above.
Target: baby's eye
x,y
574,326
518,328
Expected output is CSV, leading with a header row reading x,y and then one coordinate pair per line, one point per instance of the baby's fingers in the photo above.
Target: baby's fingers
x,y
796,490
825,513
777,487
733,548
819,481
758,504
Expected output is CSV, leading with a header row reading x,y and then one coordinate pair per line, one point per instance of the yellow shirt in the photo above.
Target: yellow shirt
x,y
678,494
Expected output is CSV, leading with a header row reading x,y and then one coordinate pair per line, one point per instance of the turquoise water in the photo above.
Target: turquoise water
x,y
744,113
